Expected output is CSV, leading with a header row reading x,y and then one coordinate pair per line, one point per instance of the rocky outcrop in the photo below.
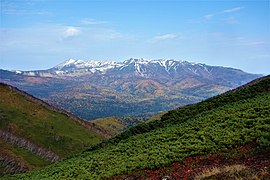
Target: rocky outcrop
x,y
26,144
11,165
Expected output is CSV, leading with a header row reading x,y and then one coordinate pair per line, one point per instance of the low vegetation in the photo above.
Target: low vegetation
x,y
242,162
219,124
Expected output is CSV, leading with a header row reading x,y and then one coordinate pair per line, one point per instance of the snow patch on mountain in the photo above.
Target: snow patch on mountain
x,y
136,66
139,66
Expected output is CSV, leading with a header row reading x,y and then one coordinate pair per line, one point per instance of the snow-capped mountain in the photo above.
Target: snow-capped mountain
x,y
93,89
141,67
92,65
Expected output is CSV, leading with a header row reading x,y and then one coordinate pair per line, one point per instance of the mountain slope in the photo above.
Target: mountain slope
x,y
33,133
135,87
219,124
116,125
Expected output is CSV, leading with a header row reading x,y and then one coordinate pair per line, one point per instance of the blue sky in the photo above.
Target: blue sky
x,y
38,34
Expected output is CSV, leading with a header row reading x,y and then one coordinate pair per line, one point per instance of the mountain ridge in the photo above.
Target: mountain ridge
x,y
135,87
140,67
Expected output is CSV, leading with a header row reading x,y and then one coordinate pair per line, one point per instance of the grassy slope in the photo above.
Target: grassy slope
x,y
157,117
111,124
116,125
219,123
42,126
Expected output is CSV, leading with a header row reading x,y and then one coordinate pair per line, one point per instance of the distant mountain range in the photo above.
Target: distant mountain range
x,y
135,87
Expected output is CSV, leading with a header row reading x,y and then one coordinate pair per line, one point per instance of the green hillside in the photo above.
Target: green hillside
x,y
218,124
182,114
32,133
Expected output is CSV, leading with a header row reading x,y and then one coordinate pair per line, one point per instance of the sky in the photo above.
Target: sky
x,y
39,34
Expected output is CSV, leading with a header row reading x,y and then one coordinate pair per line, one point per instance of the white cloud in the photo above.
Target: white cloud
x,y
165,37
22,8
226,11
71,32
208,16
232,10
252,43
90,21
51,39
22,12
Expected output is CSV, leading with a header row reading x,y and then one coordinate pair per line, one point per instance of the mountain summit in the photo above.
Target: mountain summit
x,y
91,65
140,66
